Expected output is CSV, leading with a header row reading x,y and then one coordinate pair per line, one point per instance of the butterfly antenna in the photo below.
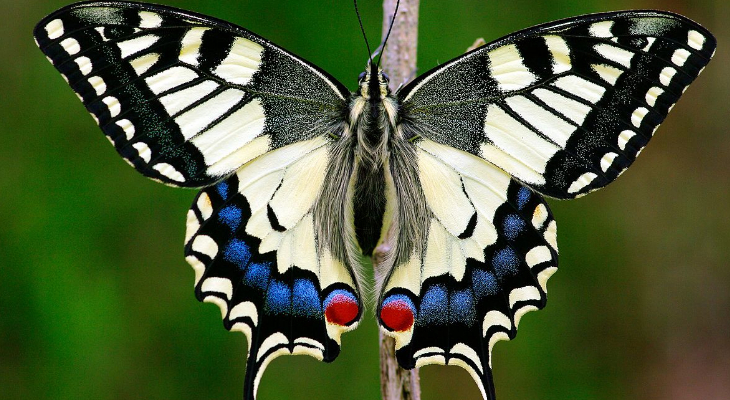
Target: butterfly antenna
x,y
387,35
362,29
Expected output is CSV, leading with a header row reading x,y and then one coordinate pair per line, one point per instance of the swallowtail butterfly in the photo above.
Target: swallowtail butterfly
x,y
301,178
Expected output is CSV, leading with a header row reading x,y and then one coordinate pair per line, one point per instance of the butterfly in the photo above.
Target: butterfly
x,y
444,178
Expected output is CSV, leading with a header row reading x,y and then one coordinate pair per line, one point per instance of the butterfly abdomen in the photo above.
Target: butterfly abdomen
x,y
370,155
369,201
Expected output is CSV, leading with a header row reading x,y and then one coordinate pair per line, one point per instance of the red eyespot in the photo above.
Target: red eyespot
x,y
341,308
397,313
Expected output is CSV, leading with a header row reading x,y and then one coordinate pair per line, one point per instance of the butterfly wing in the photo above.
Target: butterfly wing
x,y
259,250
186,99
560,109
480,259
193,101
563,107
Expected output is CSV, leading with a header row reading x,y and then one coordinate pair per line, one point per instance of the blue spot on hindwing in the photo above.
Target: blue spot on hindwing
x,y
231,217
484,283
505,262
461,307
237,252
434,306
338,292
438,307
278,298
512,226
257,275
523,196
399,297
305,302
222,189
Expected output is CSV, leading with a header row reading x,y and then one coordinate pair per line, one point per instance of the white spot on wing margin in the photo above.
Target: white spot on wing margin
x,y
54,29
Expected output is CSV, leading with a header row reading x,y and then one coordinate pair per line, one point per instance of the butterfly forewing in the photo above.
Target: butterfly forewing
x,y
563,107
186,99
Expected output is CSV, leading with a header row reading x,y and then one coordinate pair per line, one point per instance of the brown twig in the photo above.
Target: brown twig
x,y
399,56
399,61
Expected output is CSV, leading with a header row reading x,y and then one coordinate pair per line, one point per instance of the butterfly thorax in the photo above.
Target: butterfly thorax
x,y
373,112
372,117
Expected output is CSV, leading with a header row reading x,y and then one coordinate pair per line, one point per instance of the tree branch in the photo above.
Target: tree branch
x,y
399,61
399,56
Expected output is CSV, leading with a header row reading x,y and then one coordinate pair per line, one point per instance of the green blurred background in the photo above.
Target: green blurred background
x,y
96,301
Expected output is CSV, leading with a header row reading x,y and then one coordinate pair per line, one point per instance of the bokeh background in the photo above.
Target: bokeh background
x,y
96,301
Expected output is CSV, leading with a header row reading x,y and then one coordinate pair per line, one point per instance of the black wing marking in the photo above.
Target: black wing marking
x,y
186,99
564,107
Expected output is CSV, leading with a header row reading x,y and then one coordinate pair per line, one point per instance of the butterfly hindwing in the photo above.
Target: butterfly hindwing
x,y
186,99
485,254
563,107
253,242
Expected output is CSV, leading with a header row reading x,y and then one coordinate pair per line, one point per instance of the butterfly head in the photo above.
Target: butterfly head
x,y
373,83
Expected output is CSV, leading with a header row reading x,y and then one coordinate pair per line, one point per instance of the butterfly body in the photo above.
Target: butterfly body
x,y
372,120
443,179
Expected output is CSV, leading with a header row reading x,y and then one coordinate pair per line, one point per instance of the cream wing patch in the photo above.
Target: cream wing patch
x,y
286,182
230,136
520,146
507,68
242,61
458,186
